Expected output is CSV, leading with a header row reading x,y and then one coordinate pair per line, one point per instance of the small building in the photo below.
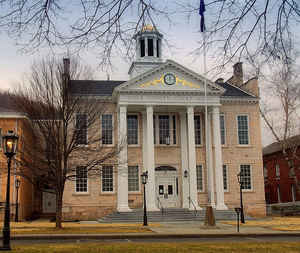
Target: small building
x,y
281,172
161,110
10,119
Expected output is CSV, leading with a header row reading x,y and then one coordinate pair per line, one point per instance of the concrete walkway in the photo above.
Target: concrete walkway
x,y
170,230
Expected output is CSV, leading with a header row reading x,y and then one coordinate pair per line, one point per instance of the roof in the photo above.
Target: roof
x,y
106,88
277,146
6,103
233,91
92,87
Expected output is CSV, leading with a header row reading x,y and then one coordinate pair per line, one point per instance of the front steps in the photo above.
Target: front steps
x,y
169,215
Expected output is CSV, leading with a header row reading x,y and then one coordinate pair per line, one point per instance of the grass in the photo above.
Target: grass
x,y
75,228
275,223
227,247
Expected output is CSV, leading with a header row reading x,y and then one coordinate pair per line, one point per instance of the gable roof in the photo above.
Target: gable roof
x,y
233,91
94,88
277,146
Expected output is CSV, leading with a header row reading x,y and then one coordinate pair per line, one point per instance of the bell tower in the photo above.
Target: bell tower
x,y
148,51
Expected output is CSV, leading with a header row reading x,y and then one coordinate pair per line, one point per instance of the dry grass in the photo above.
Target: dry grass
x,y
76,228
160,247
275,223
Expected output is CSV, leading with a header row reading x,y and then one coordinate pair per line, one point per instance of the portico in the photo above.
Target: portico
x,y
168,128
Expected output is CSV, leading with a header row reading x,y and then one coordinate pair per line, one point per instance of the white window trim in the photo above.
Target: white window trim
x,y
113,132
87,130
202,171
87,185
140,183
202,125
237,130
225,144
277,170
170,129
227,177
114,182
251,177
138,130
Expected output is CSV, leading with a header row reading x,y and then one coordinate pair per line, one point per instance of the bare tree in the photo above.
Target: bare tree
x,y
238,28
57,128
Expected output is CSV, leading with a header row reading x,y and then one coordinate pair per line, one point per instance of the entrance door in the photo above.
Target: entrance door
x,y
167,189
49,202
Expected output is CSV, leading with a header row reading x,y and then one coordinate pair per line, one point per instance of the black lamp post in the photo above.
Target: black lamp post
x,y
18,183
239,178
10,144
144,177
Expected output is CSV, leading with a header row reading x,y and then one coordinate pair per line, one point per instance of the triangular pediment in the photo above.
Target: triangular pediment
x,y
170,77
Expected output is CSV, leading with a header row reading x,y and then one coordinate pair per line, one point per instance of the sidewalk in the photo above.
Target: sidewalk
x,y
170,230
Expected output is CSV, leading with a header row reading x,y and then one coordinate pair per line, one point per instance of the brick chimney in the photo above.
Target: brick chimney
x,y
66,62
238,74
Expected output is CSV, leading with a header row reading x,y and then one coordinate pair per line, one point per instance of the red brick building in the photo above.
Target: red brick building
x,y
282,172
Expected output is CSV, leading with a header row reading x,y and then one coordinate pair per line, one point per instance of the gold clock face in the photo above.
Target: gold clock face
x,y
169,79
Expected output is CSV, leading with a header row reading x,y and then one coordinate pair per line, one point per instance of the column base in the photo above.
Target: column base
x,y
122,209
221,207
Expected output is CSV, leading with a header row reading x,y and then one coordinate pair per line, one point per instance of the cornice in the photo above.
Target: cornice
x,y
232,100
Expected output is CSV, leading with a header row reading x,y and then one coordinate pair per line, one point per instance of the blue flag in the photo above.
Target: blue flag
x,y
201,12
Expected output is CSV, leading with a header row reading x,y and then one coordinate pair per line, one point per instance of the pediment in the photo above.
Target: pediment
x,y
180,79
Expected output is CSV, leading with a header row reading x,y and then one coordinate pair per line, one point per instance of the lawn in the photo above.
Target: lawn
x,y
160,247
75,228
274,223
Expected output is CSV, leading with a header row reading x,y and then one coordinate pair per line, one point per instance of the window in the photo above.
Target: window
x,y
246,177
174,129
158,47
133,178
197,122
150,47
278,194
222,128
107,178
154,129
243,129
265,172
164,129
277,170
132,129
225,180
1,138
81,179
81,129
107,129
142,43
199,174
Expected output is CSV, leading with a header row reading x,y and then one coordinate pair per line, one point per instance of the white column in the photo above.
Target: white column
x,y
184,160
146,46
123,165
144,141
218,160
192,159
210,170
150,186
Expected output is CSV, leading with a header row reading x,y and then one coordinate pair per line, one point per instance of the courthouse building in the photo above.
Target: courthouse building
x,y
161,112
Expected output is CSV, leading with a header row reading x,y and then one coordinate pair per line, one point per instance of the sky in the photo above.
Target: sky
x,y
181,37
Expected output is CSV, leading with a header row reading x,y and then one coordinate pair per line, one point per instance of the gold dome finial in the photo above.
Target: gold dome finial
x,y
148,28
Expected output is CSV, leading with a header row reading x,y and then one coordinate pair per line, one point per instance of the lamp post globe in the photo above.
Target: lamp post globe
x,y
144,177
239,178
10,144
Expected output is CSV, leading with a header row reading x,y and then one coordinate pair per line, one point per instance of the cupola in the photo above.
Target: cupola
x,y
148,50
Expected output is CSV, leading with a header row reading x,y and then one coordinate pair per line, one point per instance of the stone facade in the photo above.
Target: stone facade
x,y
169,152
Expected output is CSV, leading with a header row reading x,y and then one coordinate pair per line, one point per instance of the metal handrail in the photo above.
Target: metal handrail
x,y
195,209
161,207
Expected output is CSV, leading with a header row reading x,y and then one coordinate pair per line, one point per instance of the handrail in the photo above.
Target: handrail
x,y
195,209
161,207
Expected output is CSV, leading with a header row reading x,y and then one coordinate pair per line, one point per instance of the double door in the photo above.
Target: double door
x,y
167,190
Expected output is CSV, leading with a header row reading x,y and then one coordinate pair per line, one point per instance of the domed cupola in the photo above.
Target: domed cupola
x,y
148,50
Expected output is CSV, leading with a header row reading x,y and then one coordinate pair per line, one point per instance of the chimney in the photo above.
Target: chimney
x,y
238,73
66,62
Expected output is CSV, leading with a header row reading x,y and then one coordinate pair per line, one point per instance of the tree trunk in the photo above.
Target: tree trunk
x,y
59,196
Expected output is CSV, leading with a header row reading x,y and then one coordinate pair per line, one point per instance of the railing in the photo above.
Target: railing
x,y
195,209
160,205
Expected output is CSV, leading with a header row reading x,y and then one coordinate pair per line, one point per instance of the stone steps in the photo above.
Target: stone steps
x,y
169,215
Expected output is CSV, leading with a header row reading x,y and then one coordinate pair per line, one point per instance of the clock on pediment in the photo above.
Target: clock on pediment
x,y
169,79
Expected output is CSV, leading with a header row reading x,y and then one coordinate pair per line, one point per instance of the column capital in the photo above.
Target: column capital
x,y
149,108
216,109
123,108
190,109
